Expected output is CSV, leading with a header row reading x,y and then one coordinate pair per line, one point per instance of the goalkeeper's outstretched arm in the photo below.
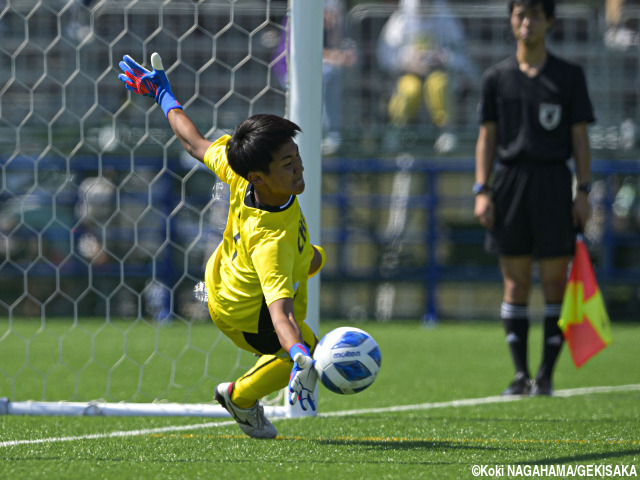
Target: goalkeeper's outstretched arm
x,y
192,140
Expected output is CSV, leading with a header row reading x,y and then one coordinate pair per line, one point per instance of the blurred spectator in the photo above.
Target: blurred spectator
x,y
425,52
107,241
617,36
80,27
338,53
96,204
625,206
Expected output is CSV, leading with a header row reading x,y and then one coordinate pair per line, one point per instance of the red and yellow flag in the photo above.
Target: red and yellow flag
x,y
583,319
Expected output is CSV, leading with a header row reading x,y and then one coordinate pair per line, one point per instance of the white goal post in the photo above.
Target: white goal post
x,y
104,226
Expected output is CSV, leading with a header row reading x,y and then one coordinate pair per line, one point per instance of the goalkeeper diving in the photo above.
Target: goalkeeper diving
x,y
256,279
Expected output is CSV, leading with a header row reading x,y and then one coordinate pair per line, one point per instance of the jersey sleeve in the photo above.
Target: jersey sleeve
x,y
323,259
274,266
581,109
487,109
216,159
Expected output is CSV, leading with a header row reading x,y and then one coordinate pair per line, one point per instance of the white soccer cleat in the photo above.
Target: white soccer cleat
x,y
250,420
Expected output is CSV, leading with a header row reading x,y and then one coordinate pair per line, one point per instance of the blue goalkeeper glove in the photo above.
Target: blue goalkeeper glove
x,y
151,84
302,383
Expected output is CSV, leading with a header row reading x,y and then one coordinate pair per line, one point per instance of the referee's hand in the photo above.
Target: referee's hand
x,y
581,210
484,210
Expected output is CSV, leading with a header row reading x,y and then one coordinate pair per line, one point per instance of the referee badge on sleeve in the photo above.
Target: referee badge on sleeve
x,y
549,115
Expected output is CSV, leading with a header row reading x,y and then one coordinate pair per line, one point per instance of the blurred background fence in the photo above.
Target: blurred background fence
x,y
102,214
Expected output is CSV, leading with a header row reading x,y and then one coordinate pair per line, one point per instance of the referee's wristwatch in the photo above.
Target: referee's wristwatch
x,y
584,188
479,188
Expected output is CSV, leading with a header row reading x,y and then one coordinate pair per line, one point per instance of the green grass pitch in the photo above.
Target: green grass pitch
x,y
433,412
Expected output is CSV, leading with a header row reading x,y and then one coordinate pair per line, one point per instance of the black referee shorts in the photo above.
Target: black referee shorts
x,y
533,203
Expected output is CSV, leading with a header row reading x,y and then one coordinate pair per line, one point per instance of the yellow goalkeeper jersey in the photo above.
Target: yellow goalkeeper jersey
x,y
265,254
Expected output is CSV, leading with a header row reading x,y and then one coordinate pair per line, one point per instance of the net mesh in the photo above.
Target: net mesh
x,y
105,224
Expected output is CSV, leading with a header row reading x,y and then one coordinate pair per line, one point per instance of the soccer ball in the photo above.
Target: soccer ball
x,y
347,360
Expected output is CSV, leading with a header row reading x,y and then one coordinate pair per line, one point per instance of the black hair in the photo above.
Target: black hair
x,y
549,6
254,141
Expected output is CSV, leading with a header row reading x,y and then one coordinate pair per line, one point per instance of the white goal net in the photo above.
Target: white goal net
x,y
105,224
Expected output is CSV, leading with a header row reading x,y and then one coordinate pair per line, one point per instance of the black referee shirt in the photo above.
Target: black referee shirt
x,y
534,115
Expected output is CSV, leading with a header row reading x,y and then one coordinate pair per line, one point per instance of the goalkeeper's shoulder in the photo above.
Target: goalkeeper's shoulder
x,y
217,151
215,158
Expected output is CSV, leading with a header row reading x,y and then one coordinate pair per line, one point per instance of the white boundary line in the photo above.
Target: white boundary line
x,y
130,433
422,406
482,401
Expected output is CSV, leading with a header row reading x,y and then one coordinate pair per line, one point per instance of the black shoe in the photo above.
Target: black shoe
x,y
520,385
541,387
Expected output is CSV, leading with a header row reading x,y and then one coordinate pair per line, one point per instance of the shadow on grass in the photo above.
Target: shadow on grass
x,y
587,457
406,444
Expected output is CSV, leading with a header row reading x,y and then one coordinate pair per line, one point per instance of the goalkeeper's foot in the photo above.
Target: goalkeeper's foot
x,y
520,385
250,420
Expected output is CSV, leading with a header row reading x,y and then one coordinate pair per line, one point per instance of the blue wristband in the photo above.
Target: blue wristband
x,y
164,95
166,100
298,348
